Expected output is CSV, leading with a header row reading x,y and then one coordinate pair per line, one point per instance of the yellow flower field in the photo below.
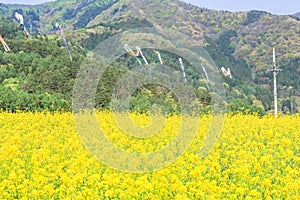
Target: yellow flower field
x,y
43,157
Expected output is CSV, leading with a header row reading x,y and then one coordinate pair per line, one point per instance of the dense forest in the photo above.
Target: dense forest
x,y
38,75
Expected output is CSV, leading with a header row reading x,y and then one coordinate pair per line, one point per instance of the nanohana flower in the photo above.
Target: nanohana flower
x,y
43,157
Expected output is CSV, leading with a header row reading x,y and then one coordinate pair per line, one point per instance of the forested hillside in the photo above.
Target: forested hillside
x,y
297,15
37,74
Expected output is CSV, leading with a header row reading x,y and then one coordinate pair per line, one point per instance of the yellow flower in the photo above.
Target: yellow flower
x,y
42,157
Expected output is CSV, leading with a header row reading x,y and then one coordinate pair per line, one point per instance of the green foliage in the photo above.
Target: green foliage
x,y
224,42
69,14
37,75
3,9
290,74
221,52
244,107
89,14
9,29
253,15
13,100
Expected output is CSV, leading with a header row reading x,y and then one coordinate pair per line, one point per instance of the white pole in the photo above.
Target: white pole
x,y
275,84
159,57
275,72
182,68
274,57
141,53
205,72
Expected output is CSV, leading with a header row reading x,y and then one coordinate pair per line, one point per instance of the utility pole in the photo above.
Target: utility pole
x,y
275,72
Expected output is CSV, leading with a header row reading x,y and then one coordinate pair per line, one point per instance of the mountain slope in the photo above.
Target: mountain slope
x,y
297,15
239,40
71,14
257,32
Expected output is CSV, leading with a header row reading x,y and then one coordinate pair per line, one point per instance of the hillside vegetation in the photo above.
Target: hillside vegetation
x,y
242,41
297,15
